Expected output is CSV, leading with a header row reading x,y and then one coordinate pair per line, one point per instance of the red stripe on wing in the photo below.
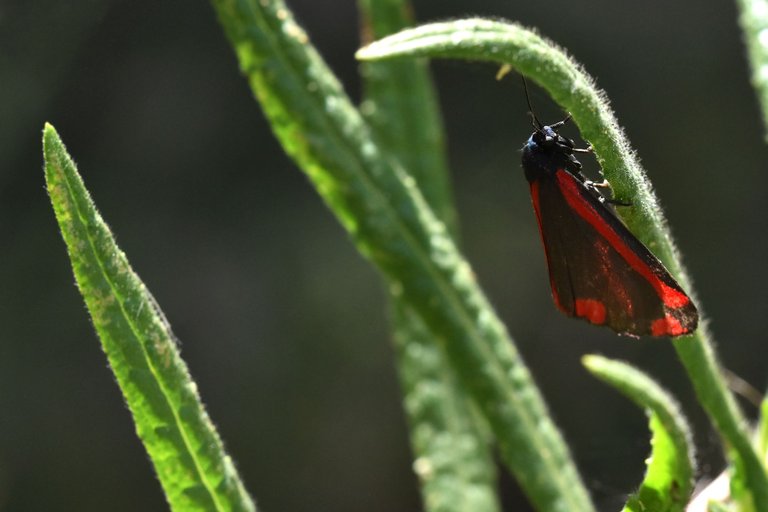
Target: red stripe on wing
x,y
592,310
572,191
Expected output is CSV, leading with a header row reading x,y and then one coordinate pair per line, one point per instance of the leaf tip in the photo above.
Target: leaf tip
x,y
52,149
50,137
363,53
592,362
57,164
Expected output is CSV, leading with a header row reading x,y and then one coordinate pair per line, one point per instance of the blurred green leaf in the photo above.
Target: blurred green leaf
x,y
762,438
187,453
753,18
668,481
388,218
400,105
450,442
718,507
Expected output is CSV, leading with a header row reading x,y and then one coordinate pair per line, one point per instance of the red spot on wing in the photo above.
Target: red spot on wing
x,y
570,188
592,310
667,326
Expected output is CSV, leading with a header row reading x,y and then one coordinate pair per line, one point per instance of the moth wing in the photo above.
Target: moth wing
x,y
598,270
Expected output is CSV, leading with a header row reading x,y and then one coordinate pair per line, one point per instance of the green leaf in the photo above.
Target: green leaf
x,y
194,470
762,439
668,482
545,63
718,507
401,107
392,225
449,440
753,18
451,449
741,497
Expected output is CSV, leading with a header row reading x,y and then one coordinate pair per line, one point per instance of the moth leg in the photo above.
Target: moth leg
x,y
618,202
587,149
598,184
595,187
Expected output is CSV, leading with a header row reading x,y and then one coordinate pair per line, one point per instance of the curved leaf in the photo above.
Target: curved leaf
x,y
668,482
569,85
574,90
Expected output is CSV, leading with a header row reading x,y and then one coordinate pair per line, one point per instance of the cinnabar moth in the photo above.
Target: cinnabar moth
x,y
598,270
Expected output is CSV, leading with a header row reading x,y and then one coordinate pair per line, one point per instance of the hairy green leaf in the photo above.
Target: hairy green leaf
x,y
668,482
509,44
187,453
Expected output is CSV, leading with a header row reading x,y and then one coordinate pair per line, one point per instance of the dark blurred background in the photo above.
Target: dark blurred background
x,y
282,324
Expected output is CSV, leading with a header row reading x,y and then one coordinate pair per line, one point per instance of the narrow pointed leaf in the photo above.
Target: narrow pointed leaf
x,y
668,481
187,453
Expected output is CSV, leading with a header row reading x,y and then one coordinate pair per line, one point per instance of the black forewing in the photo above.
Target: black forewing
x,y
584,265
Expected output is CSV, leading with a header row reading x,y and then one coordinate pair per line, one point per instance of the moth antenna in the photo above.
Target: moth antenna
x,y
534,120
